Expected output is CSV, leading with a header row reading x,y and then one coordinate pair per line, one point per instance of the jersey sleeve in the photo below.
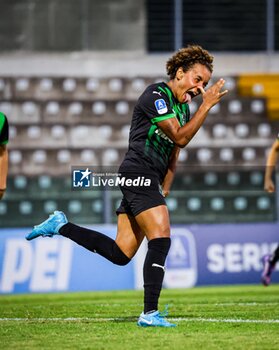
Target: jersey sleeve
x,y
4,129
155,105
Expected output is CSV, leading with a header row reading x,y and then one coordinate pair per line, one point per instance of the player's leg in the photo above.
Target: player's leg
x,y
269,262
129,237
275,256
154,222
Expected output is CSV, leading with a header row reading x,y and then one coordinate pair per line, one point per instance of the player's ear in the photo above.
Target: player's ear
x,y
179,73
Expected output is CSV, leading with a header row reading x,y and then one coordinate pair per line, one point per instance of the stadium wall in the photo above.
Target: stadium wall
x,y
200,255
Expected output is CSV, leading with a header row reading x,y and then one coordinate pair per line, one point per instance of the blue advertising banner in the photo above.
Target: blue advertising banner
x,y
199,255
56,264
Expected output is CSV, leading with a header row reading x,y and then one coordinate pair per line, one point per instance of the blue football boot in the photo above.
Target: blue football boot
x,y
49,227
154,319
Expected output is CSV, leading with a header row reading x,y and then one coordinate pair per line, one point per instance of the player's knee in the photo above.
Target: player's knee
x,y
119,258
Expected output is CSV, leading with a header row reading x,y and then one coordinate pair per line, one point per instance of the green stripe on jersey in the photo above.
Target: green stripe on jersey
x,y
2,121
160,119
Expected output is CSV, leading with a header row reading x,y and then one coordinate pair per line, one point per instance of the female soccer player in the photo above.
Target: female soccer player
x,y
4,138
270,260
161,125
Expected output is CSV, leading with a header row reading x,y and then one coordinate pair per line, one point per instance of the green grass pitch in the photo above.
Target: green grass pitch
x,y
232,317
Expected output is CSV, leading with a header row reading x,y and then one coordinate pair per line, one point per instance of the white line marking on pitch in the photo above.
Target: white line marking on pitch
x,y
91,319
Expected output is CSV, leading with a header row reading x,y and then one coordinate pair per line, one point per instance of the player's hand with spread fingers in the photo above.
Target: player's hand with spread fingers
x,y
213,95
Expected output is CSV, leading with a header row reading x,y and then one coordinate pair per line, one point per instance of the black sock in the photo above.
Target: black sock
x,y
275,256
153,271
96,242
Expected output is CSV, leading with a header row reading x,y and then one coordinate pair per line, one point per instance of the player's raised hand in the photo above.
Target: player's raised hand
x,y
213,95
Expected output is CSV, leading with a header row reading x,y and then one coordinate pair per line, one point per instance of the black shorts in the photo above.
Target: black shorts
x,y
137,199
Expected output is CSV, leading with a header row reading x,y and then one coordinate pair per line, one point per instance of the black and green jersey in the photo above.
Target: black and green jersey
x,y
149,148
4,129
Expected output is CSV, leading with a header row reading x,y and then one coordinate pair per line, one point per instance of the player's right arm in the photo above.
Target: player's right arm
x,y
4,138
3,169
181,136
269,185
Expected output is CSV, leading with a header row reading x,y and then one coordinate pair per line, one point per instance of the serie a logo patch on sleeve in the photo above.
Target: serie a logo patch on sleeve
x,y
161,106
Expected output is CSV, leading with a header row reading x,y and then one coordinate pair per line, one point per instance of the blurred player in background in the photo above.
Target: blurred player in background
x,y
270,260
4,138
161,125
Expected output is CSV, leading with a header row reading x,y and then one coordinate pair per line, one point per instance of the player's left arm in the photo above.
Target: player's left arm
x,y
3,169
270,166
168,180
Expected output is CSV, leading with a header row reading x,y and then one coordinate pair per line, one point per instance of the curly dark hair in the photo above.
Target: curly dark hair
x,y
187,58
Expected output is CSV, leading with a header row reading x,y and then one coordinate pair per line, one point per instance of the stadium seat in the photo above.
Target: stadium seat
x,y
235,107
105,132
39,156
50,206
115,85
34,132
75,206
125,130
122,107
204,155
240,203
138,85
110,157
219,131
217,204
210,179
69,85
20,182
183,155
88,156
22,84
2,84
172,204
99,108
257,178
29,108
64,156
230,83
52,108
226,154
97,206
45,85
242,130
44,182
233,178
7,108
75,108
257,106
263,203
25,207
58,132
15,157
194,204
248,154
92,84
12,132
264,130
3,209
